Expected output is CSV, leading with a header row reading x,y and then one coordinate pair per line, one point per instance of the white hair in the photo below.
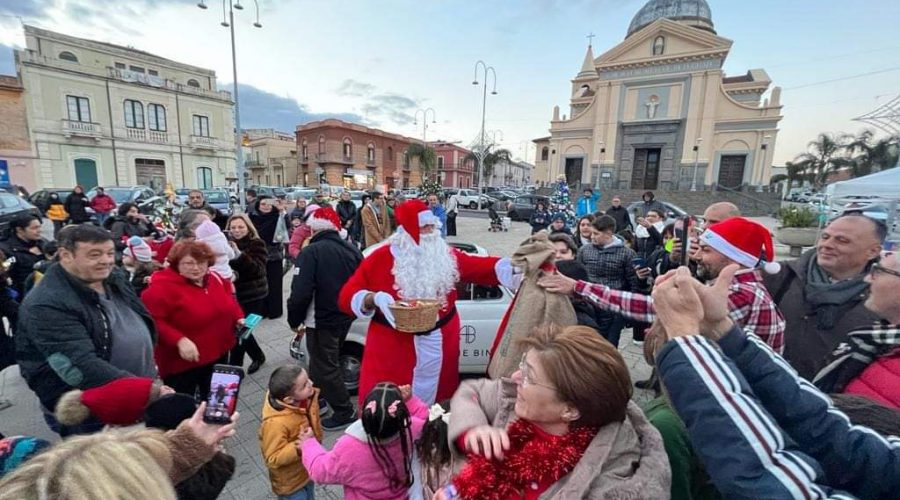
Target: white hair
x,y
424,271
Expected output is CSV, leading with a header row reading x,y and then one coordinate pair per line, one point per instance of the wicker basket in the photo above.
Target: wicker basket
x,y
414,316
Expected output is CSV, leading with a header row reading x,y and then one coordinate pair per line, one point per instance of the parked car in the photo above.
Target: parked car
x,y
469,198
523,206
481,308
355,197
219,199
181,195
126,194
40,198
272,191
409,193
672,212
298,193
12,206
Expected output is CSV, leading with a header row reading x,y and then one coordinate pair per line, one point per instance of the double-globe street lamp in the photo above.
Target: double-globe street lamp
x,y
238,143
424,125
480,154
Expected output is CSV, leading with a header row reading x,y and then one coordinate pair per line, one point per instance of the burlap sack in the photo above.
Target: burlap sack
x,y
532,306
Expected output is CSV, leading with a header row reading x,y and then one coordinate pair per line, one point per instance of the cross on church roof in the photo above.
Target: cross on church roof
x,y
590,38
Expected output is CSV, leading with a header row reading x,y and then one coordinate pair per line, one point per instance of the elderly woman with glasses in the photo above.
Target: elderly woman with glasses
x,y
562,426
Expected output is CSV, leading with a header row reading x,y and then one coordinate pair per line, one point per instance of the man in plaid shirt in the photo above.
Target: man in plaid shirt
x,y
735,240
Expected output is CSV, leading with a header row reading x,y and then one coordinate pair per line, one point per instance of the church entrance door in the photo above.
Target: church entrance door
x,y
573,171
645,174
731,171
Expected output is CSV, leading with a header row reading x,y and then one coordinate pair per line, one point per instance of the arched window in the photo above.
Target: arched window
x,y
370,153
321,144
204,178
134,114
659,45
193,83
545,152
156,115
348,148
68,56
304,150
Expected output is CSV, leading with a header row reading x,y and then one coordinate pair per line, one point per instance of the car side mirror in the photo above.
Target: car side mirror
x,y
670,214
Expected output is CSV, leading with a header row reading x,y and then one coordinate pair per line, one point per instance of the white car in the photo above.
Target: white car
x,y
481,309
469,198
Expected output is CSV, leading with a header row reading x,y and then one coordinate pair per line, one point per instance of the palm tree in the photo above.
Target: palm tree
x,y
794,174
427,158
823,157
491,159
873,154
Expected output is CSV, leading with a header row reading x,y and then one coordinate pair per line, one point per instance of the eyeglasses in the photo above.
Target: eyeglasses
x,y
526,377
878,268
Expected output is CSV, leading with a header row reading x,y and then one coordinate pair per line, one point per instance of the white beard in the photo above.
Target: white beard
x,y
424,271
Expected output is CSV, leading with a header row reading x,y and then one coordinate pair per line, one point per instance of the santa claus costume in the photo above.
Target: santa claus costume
x,y
416,264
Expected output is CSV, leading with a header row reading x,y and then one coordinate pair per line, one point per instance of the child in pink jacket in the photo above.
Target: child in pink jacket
x,y
373,459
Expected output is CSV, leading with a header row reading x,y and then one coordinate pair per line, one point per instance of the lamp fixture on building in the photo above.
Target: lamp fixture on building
x,y
239,160
696,161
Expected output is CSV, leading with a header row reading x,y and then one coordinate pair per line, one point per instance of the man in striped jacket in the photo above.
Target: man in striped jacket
x,y
760,430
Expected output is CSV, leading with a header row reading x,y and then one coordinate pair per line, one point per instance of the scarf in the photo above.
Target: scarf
x,y
266,224
827,297
531,458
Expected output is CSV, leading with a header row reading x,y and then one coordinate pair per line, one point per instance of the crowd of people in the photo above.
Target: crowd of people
x,y
772,380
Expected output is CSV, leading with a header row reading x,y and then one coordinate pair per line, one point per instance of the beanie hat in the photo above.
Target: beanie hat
x,y
206,229
324,219
120,402
16,450
168,411
138,249
744,241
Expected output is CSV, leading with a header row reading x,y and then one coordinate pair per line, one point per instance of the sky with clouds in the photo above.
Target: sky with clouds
x,y
378,62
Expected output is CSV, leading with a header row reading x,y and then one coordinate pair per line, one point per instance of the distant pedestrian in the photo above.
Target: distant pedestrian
x,y
56,212
620,214
452,213
434,204
588,203
651,203
76,206
102,204
266,219
540,219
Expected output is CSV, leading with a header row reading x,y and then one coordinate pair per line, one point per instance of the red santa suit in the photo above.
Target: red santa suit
x,y
394,356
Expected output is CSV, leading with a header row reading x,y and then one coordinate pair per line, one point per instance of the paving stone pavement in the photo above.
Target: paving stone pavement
x,y
250,481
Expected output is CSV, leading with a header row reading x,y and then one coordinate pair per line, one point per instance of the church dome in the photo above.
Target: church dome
x,y
694,13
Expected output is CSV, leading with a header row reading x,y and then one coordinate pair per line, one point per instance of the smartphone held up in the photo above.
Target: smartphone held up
x,y
224,388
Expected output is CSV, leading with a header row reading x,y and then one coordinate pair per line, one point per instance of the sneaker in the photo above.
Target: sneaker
x,y
256,365
334,424
323,407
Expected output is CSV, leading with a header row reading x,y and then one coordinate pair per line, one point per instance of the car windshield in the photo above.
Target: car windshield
x,y
216,196
121,195
356,195
182,191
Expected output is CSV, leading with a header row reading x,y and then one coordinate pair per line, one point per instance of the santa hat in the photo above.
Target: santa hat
x,y
138,249
120,402
324,219
206,229
744,241
312,207
414,214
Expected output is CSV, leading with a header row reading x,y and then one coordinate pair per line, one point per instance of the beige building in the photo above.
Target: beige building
x,y
15,143
270,157
101,114
657,112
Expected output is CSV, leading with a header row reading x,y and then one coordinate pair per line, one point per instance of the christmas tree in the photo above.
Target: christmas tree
x,y
560,203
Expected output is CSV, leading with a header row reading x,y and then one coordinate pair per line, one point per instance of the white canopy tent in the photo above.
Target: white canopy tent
x,y
876,195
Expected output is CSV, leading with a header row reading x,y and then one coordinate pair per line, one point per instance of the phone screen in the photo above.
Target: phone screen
x,y
223,393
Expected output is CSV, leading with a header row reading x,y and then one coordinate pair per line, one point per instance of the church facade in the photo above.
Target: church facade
x,y
657,111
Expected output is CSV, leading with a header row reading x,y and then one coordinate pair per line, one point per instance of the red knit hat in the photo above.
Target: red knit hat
x,y
323,219
120,402
412,215
744,241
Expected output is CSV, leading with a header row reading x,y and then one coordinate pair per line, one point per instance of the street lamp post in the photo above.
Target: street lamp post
x,y
425,125
481,154
599,167
238,142
696,162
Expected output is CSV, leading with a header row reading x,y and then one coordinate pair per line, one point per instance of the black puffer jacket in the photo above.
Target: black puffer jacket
x,y
250,270
346,210
76,205
323,268
63,339
22,268
124,227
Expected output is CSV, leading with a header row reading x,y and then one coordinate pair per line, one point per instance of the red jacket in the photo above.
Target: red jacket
x,y
206,315
880,381
103,204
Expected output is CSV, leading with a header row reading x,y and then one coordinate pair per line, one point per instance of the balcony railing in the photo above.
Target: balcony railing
x,y
370,162
142,135
84,129
254,164
334,158
157,137
202,142
125,75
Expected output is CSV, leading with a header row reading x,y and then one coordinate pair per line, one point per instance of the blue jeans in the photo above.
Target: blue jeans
x,y
101,218
307,492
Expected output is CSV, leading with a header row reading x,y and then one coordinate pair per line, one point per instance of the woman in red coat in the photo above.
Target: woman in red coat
x,y
196,316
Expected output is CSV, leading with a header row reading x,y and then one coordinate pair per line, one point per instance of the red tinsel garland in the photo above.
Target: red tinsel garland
x,y
529,460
